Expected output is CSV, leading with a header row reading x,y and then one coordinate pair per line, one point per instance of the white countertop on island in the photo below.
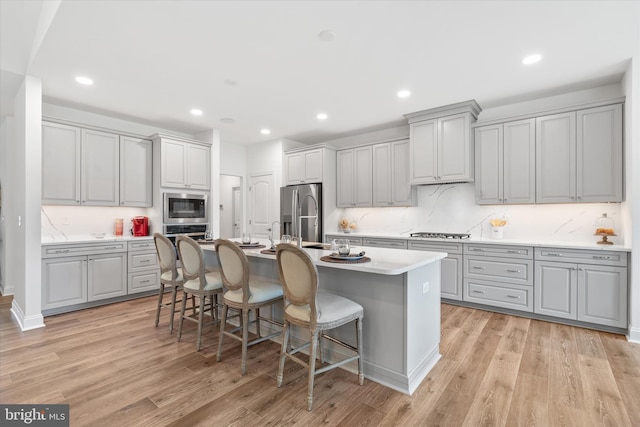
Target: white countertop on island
x,y
383,261
88,238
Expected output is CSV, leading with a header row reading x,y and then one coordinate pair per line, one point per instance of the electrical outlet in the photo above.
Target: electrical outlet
x,y
425,287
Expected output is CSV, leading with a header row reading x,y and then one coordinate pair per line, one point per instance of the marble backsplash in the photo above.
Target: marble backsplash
x,y
451,208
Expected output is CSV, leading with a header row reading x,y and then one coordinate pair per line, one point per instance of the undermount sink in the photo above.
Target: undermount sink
x,y
317,246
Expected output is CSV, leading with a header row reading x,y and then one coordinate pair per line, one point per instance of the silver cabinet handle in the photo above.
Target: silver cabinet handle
x,y
553,254
477,249
513,271
581,269
144,281
145,260
477,268
601,257
514,252
513,296
477,292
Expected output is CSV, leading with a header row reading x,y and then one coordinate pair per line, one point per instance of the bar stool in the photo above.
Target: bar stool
x,y
243,294
198,283
170,276
317,311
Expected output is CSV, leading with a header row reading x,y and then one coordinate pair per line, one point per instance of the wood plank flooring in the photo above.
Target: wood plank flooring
x,y
115,368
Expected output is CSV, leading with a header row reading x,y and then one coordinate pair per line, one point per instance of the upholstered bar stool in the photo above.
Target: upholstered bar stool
x,y
170,276
243,294
198,283
316,311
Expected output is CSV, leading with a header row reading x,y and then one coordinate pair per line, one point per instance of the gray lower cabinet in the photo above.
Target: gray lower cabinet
x,y
107,276
450,267
144,270
354,241
588,286
64,281
385,243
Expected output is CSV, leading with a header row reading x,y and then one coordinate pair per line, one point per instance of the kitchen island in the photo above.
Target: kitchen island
x,y
400,293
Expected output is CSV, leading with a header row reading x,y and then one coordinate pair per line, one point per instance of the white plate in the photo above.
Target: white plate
x,y
349,257
248,245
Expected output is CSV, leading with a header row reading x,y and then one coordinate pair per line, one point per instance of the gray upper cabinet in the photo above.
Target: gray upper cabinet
x,y
391,186
136,157
441,144
579,156
505,163
185,164
100,181
60,164
354,177
304,167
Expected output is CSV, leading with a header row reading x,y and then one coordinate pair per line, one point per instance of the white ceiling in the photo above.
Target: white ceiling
x,y
154,61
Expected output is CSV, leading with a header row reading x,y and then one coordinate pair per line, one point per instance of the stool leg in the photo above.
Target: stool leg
x,y
312,368
223,322
283,351
359,344
245,339
258,322
159,304
200,320
174,294
182,309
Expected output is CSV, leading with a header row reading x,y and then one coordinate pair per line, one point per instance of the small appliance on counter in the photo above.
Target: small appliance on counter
x,y
140,226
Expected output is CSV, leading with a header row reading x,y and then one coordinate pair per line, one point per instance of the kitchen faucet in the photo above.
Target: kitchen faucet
x,y
300,216
270,230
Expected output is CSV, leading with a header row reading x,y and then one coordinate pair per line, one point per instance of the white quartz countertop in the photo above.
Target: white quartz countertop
x,y
383,261
484,240
88,238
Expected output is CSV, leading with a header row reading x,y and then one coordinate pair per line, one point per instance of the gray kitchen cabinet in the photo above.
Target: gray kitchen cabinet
x,y
391,184
450,266
304,166
64,281
579,156
100,168
383,242
498,275
60,164
184,164
136,158
441,144
505,163
107,276
143,267
354,241
588,286
354,177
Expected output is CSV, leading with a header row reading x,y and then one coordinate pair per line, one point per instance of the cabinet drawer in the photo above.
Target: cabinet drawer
x,y
500,269
354,241
435,246
143,245
503,251
582,256
511,296
142,261
143,281
385,243
86,249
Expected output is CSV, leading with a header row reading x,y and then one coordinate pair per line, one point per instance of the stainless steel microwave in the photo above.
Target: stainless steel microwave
x,y
182,208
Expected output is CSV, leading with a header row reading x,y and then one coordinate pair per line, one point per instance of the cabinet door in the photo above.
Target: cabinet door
x,y
556,289
599,154
294,168
556,158
455,152
60,164
345,185
313,166
519,162
401,191
173,171
363,191
64,281
602,295
488,158
107,276
198,167
451,277
100,167
382,175
136,176
424,159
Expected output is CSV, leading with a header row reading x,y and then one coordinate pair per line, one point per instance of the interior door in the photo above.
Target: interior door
x,y
237,210
262,195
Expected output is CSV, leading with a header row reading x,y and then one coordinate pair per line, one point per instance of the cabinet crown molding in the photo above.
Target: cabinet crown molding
x,y
308,147
470,106
158,136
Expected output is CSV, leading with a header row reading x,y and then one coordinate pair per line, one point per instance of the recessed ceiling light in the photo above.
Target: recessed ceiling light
x,y
531,59
265,131
84,80
228,120
322,116
196,112
404,94
327,35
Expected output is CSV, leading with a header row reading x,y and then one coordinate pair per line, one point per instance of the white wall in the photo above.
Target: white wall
x,y
227,183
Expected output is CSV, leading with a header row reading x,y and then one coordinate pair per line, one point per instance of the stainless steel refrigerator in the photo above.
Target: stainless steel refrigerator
x,y
304,201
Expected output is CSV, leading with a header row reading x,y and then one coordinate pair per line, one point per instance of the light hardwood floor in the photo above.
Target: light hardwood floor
x,y
115,368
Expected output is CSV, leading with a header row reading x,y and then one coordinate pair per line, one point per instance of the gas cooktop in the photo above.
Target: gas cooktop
x,y
430,235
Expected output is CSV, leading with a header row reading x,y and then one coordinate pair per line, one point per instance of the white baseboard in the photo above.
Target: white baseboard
x,y
634,335
26,322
